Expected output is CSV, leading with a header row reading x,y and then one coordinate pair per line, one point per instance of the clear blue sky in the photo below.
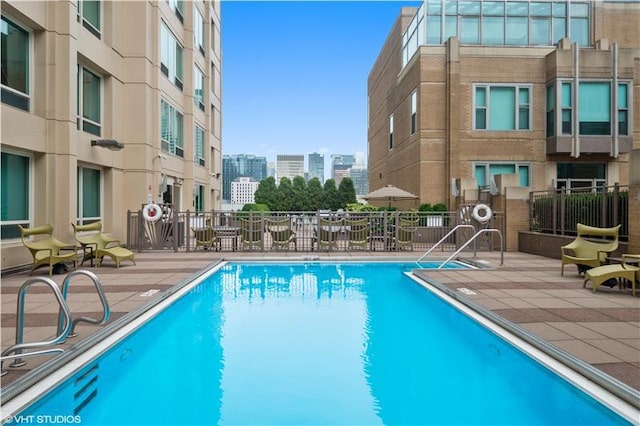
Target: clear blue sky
x,y
295,74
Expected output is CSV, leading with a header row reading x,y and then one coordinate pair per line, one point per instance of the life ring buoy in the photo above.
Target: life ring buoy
x,y
152,212
482,213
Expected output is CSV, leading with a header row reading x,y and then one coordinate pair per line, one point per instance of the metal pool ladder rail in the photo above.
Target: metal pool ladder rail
x,y
443,239
103,300
19,346
473,239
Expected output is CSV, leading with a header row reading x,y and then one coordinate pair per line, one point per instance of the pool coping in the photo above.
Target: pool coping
x,y
610,384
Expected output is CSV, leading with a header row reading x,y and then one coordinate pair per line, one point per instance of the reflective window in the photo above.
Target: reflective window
x,y
15,65
414,112
89,10
623,109
469,30
89,101
171,129
15,190
391,131
517,31
541,32
485,172
594,108
502,107
170,56
89,195
198,88
198,144
198,29
493,30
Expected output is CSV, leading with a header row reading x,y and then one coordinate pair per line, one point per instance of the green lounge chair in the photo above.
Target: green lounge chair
x,y
357,233
590,248
282,236
617,273
404,233
206,238
327,233
251,233
97,245
47,251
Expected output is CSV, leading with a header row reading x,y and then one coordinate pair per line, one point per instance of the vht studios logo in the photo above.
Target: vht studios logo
x,y
43,420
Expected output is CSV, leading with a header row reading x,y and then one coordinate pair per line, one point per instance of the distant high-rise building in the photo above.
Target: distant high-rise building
x,y
316,166
340,165
243,190
271,169
360,177
289,166
242,165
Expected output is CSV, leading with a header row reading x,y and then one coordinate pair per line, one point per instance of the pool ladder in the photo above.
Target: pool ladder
x,y
466,244
66,323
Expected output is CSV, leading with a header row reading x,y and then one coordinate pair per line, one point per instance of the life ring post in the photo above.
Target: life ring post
x,y
482,213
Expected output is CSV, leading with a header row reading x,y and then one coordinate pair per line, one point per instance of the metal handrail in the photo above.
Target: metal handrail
x,y
20,346
103,299
472,239
444,238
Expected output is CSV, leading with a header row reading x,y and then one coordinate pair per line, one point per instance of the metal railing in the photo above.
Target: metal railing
x,y
444,238
473,240
103,299
177,231
559,211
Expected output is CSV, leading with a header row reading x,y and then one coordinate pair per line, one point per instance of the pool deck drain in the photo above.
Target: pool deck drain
x,y
602,328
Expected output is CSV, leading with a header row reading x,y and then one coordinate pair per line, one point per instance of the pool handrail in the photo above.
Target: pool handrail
x,y
101,295
19,345
444,238
472,239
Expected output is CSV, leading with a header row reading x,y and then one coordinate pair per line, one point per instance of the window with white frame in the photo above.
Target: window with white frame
x,y
484,172
198,29
198,88
171,132
502,107
15,185
89,14
198,142
170,56
178,7
89,195
391,131
15,54
414,112
89,101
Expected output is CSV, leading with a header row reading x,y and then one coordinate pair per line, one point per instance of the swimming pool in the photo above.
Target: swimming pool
x,y
314,343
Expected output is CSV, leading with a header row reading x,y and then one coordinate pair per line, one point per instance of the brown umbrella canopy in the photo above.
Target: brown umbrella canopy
x,y
390,193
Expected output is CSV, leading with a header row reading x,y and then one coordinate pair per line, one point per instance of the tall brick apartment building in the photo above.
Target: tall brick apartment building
x,y
465,90
106,105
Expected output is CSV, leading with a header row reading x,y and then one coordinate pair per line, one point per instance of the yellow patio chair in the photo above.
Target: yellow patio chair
x,y
357,233
618,273
46,251
590,248
282,236
404,233
97,245
251,233
206,238
327,233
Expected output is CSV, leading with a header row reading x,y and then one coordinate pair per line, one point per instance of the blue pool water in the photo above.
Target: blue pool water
x,y
317,344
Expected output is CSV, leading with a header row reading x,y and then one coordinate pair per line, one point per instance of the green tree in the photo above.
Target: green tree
x,y
314,197
285,195
330,199
300,202
346,192
267,192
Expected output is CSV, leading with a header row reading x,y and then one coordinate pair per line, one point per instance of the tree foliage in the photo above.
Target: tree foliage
x,y
267,193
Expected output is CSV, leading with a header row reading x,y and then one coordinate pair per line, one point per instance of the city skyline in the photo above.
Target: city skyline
x,y
301,86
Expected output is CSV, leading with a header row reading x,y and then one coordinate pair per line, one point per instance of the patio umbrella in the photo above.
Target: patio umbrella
x,y
390,193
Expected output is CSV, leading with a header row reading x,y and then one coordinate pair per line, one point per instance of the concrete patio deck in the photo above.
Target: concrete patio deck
x,y
601,328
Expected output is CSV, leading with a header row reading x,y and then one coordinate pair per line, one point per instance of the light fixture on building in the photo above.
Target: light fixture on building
x,y
111,144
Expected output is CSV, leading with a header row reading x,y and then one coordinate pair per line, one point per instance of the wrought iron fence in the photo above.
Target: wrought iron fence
x,y
559,211
302,231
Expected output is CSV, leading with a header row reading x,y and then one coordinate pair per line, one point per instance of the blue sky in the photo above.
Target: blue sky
x,y
295,74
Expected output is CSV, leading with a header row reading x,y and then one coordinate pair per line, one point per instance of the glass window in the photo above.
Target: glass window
x,y
434,7
433,29
199,198
567,110
502,108
89,102
414,111
198,88
170,56
579,10
469,7
15,193
451,7
623,109
559,29
199,146
15,65
450,27
493,30
541,32
391,131
89,195
594,108
517,31
560,9
178,8
493,8
580,31
198,29
540,9
469,30
90,12
517,8
171,131
551,111
485,172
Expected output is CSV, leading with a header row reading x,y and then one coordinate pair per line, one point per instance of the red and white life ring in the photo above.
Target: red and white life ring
x,y
152,212
482,213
